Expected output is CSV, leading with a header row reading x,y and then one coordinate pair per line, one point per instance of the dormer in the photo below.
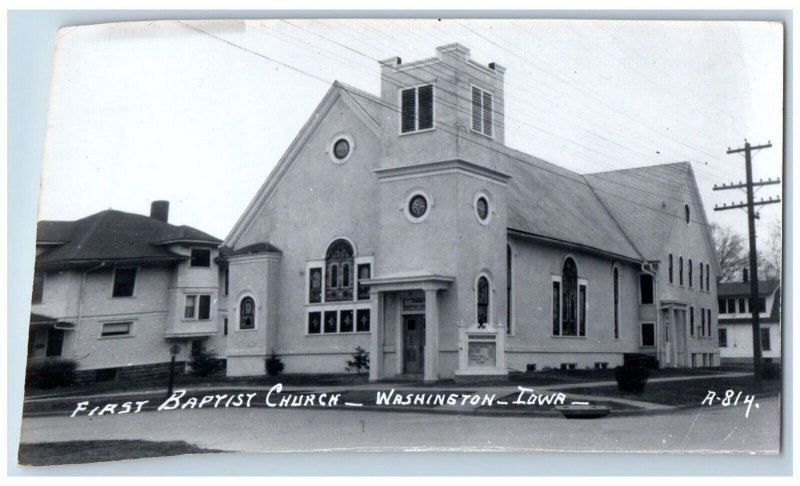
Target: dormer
x,y
430,105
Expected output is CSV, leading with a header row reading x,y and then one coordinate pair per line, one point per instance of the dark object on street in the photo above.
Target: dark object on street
x,y
49,373
630,379
274,365
580,411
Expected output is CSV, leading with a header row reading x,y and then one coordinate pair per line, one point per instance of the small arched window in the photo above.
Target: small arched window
x,y
680,270
483,301
687,213
569,298
671,274
691,274
247,313
701,275
339,267
708,277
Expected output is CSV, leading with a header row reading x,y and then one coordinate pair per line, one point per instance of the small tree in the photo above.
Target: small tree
x,y
360,361
274,365
204,362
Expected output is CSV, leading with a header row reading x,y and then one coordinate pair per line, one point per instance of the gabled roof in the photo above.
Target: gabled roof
x,y
366,106
550,202
113,237
731,289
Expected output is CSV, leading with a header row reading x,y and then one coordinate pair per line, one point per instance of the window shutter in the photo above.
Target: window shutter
x,y
409,110
476,110
425,98
487,113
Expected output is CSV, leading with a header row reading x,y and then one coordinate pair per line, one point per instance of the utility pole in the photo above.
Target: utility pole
x,y
751,227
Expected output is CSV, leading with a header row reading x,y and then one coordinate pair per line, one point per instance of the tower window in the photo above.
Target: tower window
x,y
416,106
482,104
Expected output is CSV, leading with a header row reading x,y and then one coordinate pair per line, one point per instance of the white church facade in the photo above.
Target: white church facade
x,y
401,223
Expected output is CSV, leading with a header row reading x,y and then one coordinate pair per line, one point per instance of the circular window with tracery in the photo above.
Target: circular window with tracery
x,y
482,208
418,206
341,149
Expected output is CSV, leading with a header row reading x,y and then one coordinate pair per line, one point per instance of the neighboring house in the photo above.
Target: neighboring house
x,y
401,223
115,291
736,321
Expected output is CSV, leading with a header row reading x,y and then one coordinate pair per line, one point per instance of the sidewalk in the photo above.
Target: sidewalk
x,y
364,397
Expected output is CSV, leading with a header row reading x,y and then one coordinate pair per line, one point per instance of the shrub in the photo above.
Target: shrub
x,y
631,379
204,362
771,371
50,373
360,361
274,365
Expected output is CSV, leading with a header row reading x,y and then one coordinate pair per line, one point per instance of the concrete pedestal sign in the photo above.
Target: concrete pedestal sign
x,y
481,352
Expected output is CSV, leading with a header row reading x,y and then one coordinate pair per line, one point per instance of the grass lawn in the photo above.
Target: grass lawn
x,y
692,392
85,451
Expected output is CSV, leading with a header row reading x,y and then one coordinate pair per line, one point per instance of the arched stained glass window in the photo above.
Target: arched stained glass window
x,y
247,313
671,274
680,270
701,275
339,268
569,298
708,277
616,303
691,274
483,300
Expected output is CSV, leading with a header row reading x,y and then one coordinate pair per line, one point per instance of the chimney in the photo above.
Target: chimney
x,y
160,210
745,275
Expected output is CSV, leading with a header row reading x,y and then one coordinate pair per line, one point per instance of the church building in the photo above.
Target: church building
x,y
403,224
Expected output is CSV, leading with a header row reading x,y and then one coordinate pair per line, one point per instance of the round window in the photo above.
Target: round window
x,y
341,149
418,206
482,208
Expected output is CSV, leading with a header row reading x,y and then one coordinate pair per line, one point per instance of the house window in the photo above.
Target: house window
x,y
331,323
701,275
509,289
38,288
201,257
762,304
314,322
364,273
247,313
197,307
671,279
646,288
680,271
339,286
362,320
648,334
721,305
691,274
742,305
616,303
702,322
481,111
483,300
114,329
691,320
723,338
55,342
416,109
572,302
765,344
124,281
731,306
315,285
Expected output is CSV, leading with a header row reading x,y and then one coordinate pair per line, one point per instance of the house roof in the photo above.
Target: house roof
x,y
255,248
729,289
113,237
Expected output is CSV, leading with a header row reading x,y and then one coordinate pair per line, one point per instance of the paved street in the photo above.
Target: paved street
x,y
257,429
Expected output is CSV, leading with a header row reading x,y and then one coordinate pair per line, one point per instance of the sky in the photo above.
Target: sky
x,y
199,112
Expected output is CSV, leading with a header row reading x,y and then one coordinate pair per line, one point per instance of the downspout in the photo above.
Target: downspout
x,y
657,301
80,302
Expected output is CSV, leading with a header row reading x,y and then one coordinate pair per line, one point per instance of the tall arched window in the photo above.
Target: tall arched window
x,y
701,275
509,290
691,274
483,301
708,277
339,268
671,277
616,303
569,298
680,270
247,313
